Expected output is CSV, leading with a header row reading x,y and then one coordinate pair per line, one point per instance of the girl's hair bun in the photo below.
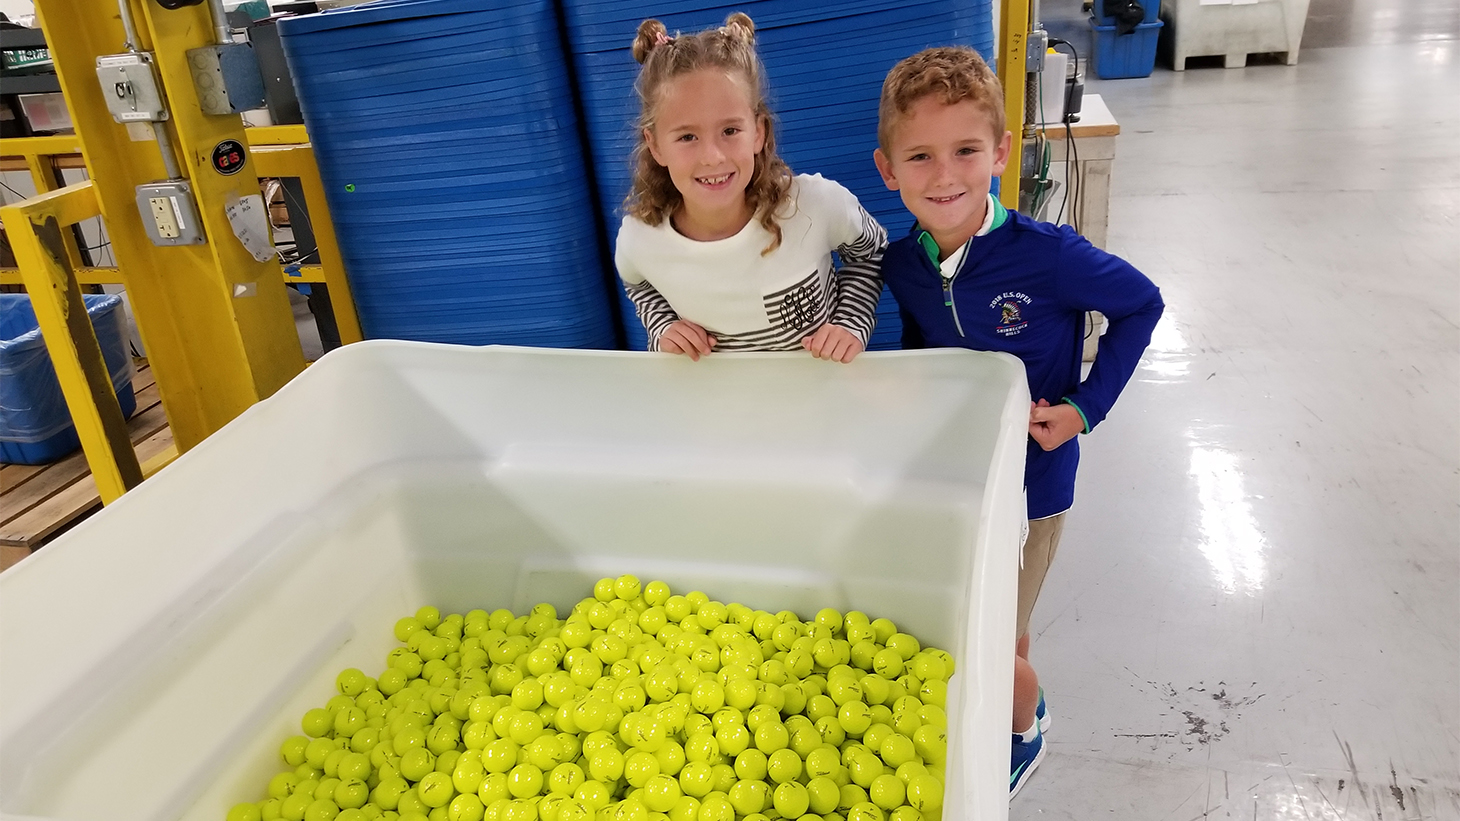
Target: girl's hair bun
x,y
741,27
651,34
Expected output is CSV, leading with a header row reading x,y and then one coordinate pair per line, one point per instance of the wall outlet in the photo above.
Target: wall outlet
x,y
164,217
169,213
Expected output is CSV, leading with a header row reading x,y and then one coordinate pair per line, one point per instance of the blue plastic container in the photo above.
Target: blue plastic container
x,y
1153,13
825,63
35,424
1119,56
450,153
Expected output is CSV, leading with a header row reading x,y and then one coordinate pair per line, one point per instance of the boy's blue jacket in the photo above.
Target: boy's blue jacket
x,y
1024,288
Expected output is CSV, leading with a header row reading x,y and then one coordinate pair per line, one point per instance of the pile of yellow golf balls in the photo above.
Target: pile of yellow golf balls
x,y
642,705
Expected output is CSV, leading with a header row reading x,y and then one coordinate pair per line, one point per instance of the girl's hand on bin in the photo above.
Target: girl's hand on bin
x,y
833,342
1053,425
687,338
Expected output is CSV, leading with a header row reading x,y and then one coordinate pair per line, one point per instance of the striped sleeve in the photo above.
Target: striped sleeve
x,y
859,280
651,307
653,310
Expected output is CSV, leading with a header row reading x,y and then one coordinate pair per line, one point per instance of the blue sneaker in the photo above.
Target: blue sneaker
x,y
1041,713
1026,755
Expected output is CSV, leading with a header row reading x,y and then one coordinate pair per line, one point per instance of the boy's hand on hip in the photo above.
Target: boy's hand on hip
x,y
833,342
1053,425
687,338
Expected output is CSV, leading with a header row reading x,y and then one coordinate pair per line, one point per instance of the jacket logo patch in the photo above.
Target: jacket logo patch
x,y
1011,315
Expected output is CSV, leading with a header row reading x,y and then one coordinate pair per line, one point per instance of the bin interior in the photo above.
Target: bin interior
x,y
169,644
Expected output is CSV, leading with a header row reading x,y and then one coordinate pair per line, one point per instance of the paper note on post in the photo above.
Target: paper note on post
x,y
250,222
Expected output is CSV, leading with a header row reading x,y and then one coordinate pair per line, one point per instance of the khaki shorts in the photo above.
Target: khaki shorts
x,y
1039,550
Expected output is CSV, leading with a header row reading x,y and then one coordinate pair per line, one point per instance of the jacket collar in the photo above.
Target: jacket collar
x,y
994,217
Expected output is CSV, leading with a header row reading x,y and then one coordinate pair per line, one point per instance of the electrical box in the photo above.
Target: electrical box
x,y
131,88
227,78
169,213
1034,50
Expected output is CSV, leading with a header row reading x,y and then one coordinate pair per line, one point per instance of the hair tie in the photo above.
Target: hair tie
x,y
662,39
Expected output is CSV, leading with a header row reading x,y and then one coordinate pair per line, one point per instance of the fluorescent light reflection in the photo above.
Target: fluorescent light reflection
x,y
1313,807
1230,539
1166,357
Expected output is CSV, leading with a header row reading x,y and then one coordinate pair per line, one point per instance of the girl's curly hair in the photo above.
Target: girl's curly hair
x,y
653,197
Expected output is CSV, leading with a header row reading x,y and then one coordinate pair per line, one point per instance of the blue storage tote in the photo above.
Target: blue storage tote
x,y
35,424
450,154
824,62
1118,56
1152,9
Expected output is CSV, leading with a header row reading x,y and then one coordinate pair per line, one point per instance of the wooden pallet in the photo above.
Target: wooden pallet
x,y
37,501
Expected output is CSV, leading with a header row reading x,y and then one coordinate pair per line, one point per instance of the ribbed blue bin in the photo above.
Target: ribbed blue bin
x,y
825,63
450,153
1120,56
1152,8
35,424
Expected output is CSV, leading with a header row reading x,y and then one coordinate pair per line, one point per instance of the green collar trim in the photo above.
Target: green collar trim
x,y
1001,215
930,245
1081,411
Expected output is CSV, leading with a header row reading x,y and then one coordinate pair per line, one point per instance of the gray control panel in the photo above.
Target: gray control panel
x,y
130,86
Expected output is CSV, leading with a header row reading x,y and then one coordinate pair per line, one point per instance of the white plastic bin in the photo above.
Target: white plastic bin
x,y
155,657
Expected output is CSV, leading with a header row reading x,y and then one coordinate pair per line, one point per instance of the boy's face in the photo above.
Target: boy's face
x,y
942,160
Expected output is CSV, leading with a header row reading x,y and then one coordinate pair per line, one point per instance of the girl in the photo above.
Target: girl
x,y
721,247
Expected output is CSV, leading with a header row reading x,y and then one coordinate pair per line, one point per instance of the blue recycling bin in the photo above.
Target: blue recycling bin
x,y
1121,56
35,424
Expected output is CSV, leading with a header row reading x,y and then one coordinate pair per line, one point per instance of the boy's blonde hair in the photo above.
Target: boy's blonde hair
x,y
653,197
953,74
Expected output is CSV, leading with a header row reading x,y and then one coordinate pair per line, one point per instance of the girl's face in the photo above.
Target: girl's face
x,y
707,135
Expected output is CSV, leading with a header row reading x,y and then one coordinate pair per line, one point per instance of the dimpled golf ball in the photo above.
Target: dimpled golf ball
x,y
638,704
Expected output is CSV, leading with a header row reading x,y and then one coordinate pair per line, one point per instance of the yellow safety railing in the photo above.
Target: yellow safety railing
x,y
34,228
278,151
51,270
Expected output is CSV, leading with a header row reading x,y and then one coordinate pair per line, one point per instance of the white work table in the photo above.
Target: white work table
x,y
1094,135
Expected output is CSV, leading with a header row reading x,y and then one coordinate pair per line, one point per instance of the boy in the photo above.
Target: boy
x,y
973,275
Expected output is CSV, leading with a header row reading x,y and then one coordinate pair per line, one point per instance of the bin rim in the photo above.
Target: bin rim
x,y
96,305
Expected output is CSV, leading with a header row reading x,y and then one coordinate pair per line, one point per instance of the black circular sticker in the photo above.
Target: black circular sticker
x,y
228,157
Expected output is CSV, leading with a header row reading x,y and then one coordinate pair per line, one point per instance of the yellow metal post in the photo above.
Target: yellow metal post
x,y
1013,68
277,135
279,151
35,233
216,323
44,176
298,161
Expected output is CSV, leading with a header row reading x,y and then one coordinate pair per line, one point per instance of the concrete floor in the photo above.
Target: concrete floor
x,y
1256,609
